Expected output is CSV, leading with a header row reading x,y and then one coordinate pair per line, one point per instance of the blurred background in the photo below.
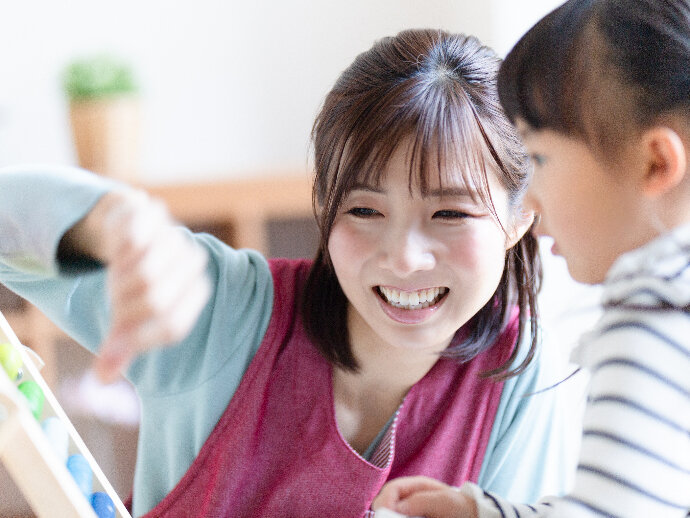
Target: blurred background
x,y
225,94
227,88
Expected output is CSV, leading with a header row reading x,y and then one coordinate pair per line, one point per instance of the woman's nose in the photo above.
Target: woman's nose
x,y
407,251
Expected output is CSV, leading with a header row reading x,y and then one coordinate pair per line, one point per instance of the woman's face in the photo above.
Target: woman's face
x,y
415,268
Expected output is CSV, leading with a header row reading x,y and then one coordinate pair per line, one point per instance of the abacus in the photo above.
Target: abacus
x,y
39,446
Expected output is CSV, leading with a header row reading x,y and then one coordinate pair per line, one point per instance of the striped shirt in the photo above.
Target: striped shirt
x,y
635,453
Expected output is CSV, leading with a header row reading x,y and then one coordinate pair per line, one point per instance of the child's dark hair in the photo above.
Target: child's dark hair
x,y
437,91
600,70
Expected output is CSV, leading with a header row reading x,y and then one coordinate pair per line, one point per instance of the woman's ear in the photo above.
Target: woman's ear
x,y
521,224
666,160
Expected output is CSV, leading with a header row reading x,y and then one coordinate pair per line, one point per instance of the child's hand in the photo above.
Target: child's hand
x,y
423,496
156,276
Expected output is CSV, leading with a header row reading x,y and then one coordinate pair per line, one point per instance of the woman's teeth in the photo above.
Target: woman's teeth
x,y
412,299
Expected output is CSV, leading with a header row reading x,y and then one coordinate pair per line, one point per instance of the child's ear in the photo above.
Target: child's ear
x,y
666,159
523,221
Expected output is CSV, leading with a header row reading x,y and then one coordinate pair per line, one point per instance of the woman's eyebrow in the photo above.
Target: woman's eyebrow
x,y
446,192
366,187
453,192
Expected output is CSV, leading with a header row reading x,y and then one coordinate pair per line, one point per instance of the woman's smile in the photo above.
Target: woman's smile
x,y
410,307
416,299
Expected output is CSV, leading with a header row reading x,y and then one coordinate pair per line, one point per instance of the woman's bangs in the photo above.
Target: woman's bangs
x,y
449,147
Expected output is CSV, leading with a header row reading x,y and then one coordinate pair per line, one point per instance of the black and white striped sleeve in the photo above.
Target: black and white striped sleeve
x,y
635,452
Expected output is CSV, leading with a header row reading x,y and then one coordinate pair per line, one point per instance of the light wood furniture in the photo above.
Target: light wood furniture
x,y
239,210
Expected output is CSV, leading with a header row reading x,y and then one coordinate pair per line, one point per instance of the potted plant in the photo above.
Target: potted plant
x,y
104,115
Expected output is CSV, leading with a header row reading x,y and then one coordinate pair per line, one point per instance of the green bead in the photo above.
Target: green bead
x,y
34,395
11,360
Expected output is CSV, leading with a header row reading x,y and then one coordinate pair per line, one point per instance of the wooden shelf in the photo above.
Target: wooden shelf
x,y
239,210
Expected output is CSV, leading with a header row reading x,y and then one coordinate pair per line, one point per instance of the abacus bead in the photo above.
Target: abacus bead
x,y
11,360
58,437
81,473
103,505
34,395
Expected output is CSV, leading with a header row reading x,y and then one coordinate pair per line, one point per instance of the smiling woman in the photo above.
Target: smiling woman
x,y
405,347
427,109
393,239
419,180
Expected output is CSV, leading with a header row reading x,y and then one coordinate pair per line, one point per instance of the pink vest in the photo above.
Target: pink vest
x,y
277,452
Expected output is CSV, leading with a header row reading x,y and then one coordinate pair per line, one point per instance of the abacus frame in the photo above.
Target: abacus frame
x,y
28,457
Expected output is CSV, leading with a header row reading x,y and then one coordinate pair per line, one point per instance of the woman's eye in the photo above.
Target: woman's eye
x,y
451,214
362,212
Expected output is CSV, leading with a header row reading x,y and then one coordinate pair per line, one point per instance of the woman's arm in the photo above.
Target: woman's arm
x,y
57,223
156,282
529,452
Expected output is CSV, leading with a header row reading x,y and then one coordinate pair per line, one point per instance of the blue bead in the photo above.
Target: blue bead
x,y
81,472
103,505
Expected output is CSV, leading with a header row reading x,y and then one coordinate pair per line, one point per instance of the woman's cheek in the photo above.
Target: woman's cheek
x,y
347,242
476,244
481,251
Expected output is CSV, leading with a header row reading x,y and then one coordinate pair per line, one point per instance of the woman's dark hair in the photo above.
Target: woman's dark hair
x,y
438,92
600,69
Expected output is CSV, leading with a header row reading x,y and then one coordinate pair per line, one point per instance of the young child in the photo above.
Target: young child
x,y
404,348
600,93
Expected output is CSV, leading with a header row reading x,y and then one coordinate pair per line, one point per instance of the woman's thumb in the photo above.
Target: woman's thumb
x,y
112,359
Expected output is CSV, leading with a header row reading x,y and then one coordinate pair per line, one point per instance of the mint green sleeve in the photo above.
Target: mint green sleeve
x,y
528,455
38,205
183,389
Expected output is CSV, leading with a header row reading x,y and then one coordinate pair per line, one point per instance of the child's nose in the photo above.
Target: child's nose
x,y
538,227
529,202
407,251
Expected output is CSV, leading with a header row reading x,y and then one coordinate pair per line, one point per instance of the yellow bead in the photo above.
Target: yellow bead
x,y
11,360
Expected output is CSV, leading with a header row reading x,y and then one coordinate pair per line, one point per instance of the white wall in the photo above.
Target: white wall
x,y
230,88
510,19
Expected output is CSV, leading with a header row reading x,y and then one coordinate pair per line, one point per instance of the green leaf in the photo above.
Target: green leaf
x,y
97,77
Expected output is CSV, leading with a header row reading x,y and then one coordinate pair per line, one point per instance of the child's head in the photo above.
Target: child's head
x,y
427,99
600,70
600,91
